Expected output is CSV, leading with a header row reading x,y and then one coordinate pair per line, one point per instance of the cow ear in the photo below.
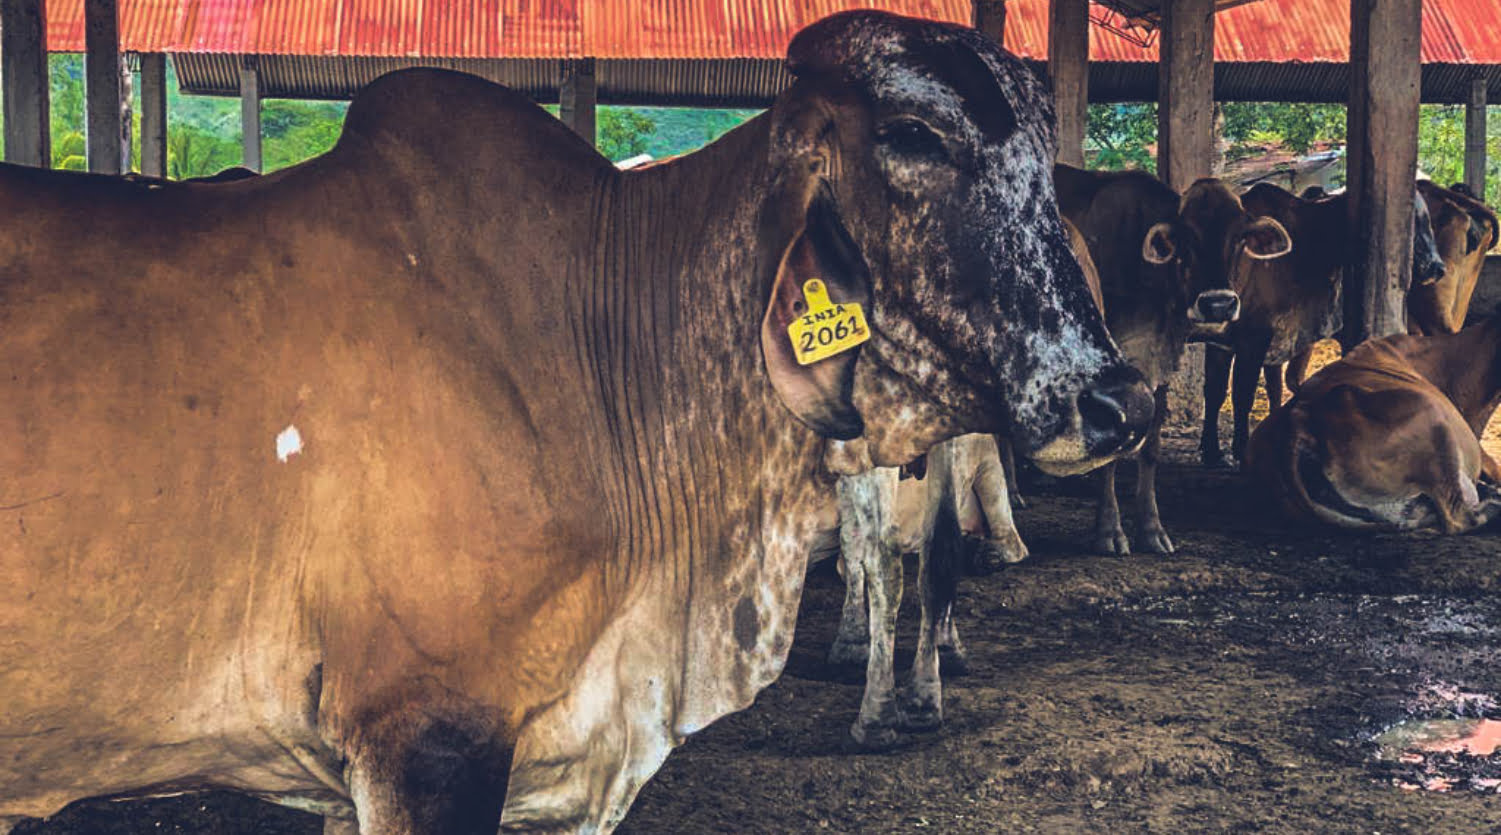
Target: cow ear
x,y
820,395
1267,239
1480,227
1158,248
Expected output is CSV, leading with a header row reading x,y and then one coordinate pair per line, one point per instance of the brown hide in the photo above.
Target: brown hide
x,y
1387,437
1465,230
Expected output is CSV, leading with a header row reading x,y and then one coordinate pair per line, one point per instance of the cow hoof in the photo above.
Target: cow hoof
x,y
1113,543
849,653
1153,540
989,556
953,661
1018,501
921,716
873,737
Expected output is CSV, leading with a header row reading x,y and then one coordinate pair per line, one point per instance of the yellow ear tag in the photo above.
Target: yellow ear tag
x,y
825,328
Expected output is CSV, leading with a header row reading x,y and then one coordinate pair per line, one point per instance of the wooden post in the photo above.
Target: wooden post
x,y
989,16
250,114
1068,66
1185,151
1475,138
23,74
577,98
101,85
1382,160
127,123
1185,92
154,114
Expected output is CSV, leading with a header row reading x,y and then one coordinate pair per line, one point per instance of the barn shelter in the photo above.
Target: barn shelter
x,y
729,53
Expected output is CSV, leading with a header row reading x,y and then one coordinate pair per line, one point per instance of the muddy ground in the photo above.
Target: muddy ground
x,y
1235,686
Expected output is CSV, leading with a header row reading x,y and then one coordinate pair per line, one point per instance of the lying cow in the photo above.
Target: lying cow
x,y
1388,437
883,516
435,490
1159,291
1464,230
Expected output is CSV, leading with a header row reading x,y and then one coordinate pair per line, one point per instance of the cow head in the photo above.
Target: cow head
x,y
911,166
1208,239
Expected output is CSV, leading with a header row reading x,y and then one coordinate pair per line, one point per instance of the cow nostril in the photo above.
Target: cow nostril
x,y
1101,413
1219,307
1115,413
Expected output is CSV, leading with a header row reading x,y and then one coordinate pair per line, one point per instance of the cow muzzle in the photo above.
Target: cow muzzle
x,y
1215,307
1114,414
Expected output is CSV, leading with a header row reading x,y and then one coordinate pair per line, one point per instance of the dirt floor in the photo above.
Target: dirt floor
x,y
1239,685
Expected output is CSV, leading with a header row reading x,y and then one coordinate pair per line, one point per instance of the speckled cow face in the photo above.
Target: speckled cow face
x,y
914,166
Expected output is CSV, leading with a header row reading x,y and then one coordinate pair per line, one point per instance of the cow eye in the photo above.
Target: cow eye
x,y
910,137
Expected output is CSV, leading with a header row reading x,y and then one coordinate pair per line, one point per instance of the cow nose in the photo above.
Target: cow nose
x,y
1115,412
1432,271
1218,306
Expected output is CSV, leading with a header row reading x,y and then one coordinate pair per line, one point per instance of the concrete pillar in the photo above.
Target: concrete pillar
x,y
23,75
250,114
101,85
578,97
154,114
1068,67
1185,152
989,16
1475,138
1382,160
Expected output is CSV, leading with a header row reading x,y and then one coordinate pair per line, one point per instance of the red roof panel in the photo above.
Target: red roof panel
x,y
1454,31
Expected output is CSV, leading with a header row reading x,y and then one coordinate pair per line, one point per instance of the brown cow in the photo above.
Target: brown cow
x,y
1290,304
1388,436
1160,290
431,490
1465,230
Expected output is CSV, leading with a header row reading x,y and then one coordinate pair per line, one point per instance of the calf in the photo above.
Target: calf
x,y
883,516
1388,436
1159,291
1463,230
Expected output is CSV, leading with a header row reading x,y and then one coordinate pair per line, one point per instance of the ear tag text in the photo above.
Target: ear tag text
x,y
825,328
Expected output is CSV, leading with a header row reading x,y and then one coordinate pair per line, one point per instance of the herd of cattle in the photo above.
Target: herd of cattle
x,y
441,492
1388,437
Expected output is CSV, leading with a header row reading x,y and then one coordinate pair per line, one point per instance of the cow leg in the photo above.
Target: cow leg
x,y
1008,465
1150,535
938,577
868,541
1109,536
7,824
1273,376
1217,362
953,658
340,826
1243,396
1004,544
852,640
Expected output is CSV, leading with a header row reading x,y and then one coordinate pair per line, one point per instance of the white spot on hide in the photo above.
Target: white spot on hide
x,y
288,444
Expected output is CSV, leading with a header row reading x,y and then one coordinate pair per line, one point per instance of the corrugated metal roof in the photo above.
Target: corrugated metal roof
x,y
1454,31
